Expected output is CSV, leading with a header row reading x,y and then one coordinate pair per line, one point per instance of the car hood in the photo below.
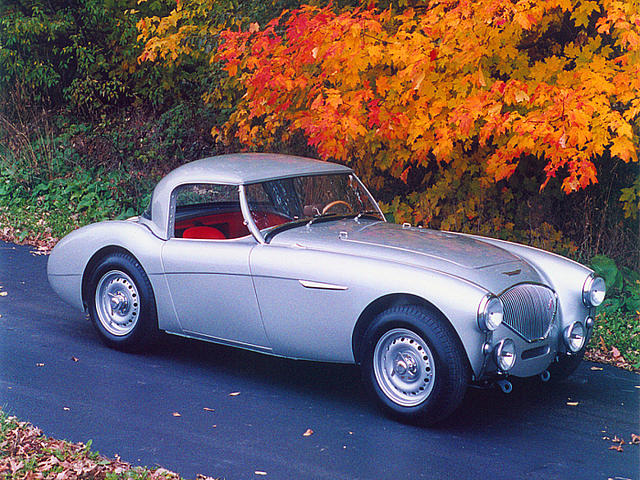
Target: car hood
x,y
471,259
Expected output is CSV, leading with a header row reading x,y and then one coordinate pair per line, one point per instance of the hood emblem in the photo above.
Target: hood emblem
x,y
512,273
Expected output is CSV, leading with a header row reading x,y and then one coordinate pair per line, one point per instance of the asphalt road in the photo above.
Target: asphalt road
x,y
55,373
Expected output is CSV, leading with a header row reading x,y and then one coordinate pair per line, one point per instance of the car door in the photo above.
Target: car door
x,y
208,274
308,300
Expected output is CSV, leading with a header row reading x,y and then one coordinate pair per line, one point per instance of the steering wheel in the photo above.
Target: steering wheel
x,y
330,205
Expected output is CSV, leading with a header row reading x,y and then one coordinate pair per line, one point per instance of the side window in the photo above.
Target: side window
x,y
208,212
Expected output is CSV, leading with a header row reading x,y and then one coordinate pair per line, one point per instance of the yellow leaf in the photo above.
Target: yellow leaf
x,y
307,433
481,79
623,148
521,96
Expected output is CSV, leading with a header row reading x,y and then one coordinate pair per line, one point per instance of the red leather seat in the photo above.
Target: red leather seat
x,y
203,232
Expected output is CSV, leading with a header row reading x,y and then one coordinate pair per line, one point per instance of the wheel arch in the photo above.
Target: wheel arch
x,y
94,260
391,300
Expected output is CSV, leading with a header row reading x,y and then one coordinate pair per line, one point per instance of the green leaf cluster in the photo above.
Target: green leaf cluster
x,y
623,285
81,54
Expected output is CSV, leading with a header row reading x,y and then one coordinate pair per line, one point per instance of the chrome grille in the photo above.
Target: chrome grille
x,y
529,310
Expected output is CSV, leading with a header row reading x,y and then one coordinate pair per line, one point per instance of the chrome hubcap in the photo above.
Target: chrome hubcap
x,y
117,303
404,367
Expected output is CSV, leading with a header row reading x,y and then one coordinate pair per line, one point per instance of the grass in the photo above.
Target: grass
x,y
25,453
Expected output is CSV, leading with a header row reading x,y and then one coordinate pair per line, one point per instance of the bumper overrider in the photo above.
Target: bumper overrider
x,y
525,330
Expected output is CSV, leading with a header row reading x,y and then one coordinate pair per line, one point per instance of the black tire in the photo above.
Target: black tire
x,y
414,365
121,303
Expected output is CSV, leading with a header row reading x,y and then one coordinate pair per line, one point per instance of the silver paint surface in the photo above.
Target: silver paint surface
x,y
301,294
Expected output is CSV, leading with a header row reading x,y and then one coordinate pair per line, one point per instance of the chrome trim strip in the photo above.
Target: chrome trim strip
x,y
321,286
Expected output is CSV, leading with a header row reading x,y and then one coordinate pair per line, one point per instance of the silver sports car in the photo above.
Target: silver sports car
x,y
291,256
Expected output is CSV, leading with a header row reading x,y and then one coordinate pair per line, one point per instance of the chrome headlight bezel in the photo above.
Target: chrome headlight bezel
x,y
593,290
490,313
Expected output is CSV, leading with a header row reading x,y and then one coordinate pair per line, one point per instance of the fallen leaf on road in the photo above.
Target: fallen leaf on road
x,y
39,364
572,404
307,433
3,294
207,409
164,472
234,394
176,414
15,466
617,448
635,439
66,409
75,359
616,354
596,368
258,472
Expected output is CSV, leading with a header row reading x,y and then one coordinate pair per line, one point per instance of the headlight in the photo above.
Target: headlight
x,y
490,313
505,354
575,336
593,291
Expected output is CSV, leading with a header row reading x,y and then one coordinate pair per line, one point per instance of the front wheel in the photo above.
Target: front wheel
x,y
121,303
414,365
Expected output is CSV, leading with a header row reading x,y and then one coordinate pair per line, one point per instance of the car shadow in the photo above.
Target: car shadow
x,y
481,408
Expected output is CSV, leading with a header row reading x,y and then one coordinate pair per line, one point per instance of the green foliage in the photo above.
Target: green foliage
x,y
81,53
615,329
623,286
630,198
52,208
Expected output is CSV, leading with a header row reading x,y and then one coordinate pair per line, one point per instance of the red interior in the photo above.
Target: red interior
x,y
224,225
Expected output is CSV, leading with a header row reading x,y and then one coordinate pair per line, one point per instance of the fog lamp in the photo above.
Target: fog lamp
x,y
574,336
505,354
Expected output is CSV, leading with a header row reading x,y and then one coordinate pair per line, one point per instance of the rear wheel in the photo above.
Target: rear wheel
x,y
121,303
414,365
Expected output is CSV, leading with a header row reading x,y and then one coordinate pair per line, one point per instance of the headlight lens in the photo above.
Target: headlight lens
x,y
490,313
593,291
575,336
505,353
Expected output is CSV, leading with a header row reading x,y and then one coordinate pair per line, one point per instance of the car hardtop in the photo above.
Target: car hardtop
x,y
246,168
233,169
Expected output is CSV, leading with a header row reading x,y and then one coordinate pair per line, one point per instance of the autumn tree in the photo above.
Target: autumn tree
x,y
447,95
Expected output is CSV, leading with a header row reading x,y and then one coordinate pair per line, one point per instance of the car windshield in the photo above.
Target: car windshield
x,y
308,199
